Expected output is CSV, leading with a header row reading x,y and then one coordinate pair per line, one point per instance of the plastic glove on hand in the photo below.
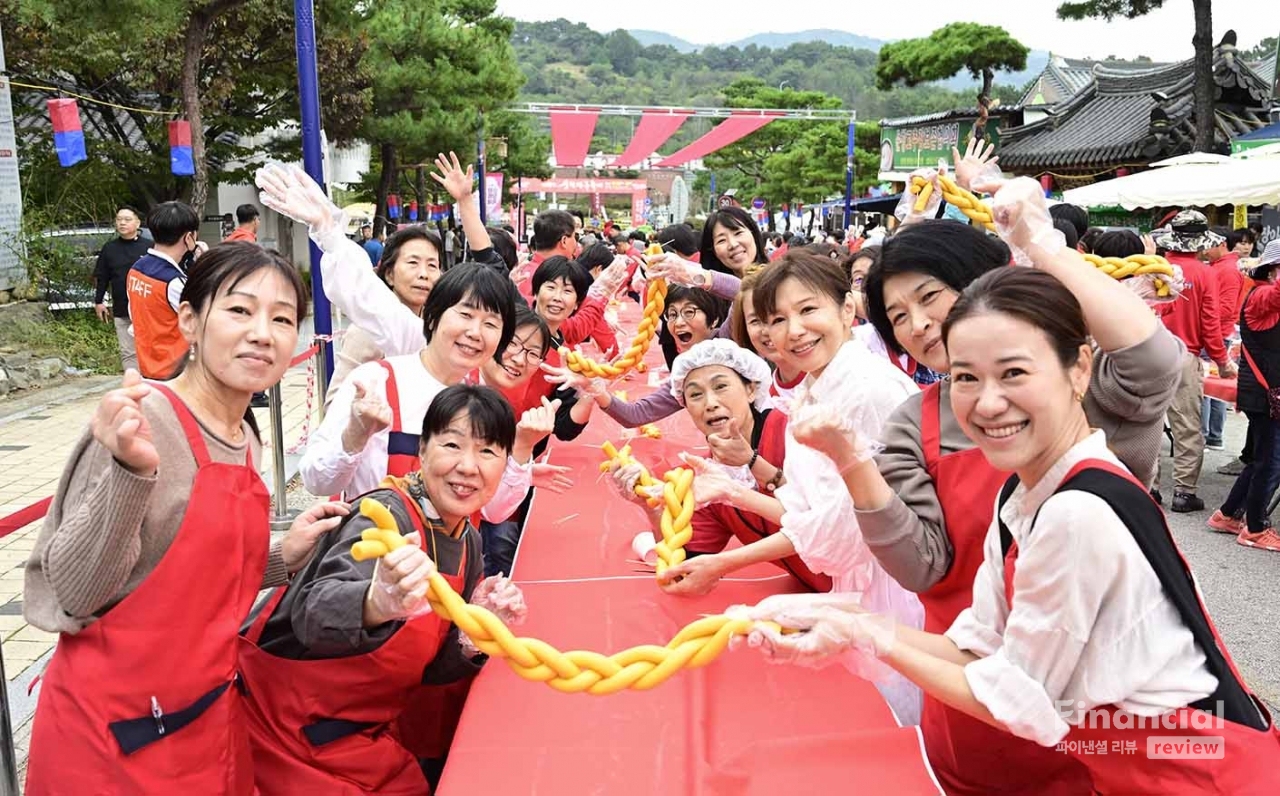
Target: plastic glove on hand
x,y
610,279
674,268
1022,219
923,196
977,165
291,192
400,582
502,598
826,430
815,629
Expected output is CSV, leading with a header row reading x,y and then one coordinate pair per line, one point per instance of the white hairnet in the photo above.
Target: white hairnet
x,y
722,352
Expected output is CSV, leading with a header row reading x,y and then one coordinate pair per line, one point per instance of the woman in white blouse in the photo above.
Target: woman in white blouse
x,y
1086,628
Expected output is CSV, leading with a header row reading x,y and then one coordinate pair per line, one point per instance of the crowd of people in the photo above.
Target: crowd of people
x,y
957,459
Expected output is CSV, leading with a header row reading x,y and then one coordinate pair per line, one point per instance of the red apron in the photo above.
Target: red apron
x,y
970,756
146,699
322,726
1120,758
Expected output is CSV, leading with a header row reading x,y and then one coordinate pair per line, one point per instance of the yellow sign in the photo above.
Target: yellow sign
x,y
1241,219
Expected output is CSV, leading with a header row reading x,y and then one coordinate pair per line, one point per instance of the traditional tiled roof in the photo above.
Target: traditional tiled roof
x,y
1265,69
1014,112
1063,78
1127,115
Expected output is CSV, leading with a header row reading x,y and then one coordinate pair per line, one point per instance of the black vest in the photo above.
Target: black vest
x,y
1264,348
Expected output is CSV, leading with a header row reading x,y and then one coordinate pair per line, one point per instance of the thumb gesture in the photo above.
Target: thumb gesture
x,y
121,427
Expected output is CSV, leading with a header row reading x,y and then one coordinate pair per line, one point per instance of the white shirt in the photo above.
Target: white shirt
x,y
1090,622
868,334
355,289
328,469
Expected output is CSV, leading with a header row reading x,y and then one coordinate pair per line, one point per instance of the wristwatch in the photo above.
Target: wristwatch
x,y
706,279
775,482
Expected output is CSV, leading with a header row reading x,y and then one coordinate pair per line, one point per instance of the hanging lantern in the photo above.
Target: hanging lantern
x,y
1046,182
393,206
68,135
1122,172
413,210
181,161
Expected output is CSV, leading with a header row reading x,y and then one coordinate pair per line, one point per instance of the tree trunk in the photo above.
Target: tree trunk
x,y
386,181
984,102
197,30
1205,91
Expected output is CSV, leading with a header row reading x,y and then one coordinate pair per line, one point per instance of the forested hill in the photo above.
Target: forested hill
x,y
569,62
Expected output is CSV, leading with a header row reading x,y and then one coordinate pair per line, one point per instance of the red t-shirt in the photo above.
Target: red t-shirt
x,y
1195,318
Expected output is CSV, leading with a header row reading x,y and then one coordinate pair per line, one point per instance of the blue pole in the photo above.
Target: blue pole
x,y
304,18
848,177
484,216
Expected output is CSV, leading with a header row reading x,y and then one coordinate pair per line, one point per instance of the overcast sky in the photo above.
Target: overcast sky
x,y
1164,35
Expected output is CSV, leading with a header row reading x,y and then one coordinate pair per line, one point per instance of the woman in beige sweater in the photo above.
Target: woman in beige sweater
x,y
155,547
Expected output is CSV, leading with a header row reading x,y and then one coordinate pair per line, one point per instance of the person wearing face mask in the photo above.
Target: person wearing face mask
x,y
157,544
111,272
926,507
410,267
1086,626
334,658
721,387
155,285
731,242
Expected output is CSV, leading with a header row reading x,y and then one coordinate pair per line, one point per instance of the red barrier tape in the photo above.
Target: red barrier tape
x,y
304,356
24,517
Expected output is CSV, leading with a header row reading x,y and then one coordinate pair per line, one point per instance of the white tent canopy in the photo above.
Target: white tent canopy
x,y
1252,182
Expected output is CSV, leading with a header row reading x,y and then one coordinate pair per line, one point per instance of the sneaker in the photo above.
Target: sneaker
x,y
1224,524
1214,445
1266,539
1157,497
1184,502
1234,467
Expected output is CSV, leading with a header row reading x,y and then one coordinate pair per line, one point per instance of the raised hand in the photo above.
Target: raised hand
x,y
291,192
453,178
535,425
730,447
976,163
121,427
369,415
674,268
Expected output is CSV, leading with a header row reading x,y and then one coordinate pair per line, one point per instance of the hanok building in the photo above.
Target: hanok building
x,y
1093,120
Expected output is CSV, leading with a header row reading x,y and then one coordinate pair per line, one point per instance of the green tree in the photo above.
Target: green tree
x,y
1265,50
134,55
435,68
1202,41
623,51
980,50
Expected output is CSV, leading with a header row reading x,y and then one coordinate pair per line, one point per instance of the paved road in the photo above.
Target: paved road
x,y
1240,585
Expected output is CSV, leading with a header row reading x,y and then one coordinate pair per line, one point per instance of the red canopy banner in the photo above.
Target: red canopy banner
x,y
571,134
737,126
578,185
654,129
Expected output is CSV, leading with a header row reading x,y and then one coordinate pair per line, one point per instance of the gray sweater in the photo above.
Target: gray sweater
x,y
1128,395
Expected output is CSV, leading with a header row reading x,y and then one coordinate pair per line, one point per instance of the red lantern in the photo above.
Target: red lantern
x,y
1122,172
1046,182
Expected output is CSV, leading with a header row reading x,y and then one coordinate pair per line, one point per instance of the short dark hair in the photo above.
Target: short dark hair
x,y
1237,236
1090,238
871,253
170,221
954,254
1068,231
246,213
1078,216
811,270
391,249
549,228
558,267
1118,243
1029,295
713,307
596,255
491,417
637,235
729,218
680,238
504,245
131,209
472,285
837,235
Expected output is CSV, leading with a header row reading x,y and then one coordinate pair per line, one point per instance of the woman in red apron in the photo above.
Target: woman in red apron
x,y
1085,626
926,507
155,548
333,660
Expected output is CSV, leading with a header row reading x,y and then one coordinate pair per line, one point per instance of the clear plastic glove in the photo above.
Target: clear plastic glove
x,y
584,385
610,279
502,598
370,413
1022,219
826,430
623,478
638,280
552,477
914,207
711,482
816,629
676,269
399,586
291,192
977,165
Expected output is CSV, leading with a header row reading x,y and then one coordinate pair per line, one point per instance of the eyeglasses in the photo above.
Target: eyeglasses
x,y
688,314
516,348
857,281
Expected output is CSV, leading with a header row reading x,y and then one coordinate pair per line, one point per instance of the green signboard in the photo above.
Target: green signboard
x,y
923,145
1241,146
